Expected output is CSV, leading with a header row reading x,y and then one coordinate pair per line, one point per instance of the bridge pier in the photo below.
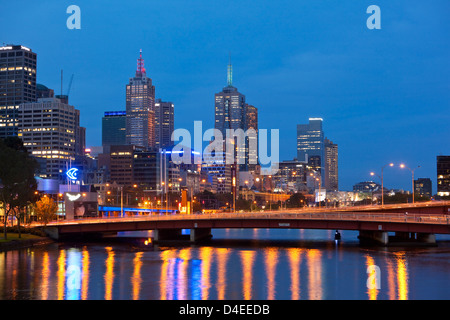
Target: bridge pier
x,y
52,232
200,234
426,238
379,237
195,235
167,234
400,238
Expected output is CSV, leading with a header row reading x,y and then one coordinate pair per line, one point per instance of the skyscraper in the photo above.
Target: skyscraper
x,y
310,144
229,107
140,108
331,165
443,175
231,112
49,130
251,114
17,85
164,123
310,139
114,128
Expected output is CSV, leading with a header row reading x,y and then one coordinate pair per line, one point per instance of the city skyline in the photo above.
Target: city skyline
x,y
375,106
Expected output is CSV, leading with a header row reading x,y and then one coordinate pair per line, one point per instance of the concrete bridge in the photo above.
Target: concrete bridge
x,y
375,225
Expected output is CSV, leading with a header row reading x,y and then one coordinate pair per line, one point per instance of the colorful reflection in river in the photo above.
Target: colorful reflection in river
x,y
209,273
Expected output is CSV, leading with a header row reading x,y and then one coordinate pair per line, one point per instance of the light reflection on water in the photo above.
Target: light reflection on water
x,y
233,266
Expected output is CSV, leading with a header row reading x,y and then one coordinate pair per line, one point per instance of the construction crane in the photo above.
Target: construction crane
x,y
70,85
65,98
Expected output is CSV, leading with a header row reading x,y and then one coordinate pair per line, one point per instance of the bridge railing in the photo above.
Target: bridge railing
x,y
336,216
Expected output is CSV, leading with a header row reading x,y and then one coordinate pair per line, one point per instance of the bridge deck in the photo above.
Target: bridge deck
x,y
387,221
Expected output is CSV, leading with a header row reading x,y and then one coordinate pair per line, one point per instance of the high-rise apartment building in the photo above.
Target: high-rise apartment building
x,y
443,175
164,123
49,130
17,85
331,165
140,108
114,125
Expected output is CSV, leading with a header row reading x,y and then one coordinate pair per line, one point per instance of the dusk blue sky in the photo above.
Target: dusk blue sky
x,y
384,94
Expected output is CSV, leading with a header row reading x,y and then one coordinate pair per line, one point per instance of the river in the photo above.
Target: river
x,y
237,264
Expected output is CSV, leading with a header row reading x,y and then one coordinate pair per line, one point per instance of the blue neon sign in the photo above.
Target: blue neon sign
x,y
72,173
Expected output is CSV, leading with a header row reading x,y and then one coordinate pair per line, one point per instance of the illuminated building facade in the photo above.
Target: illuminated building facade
x,y
232,112
17,85
251,115
367,186
221,174
164,123
121,164
423,187
290,177
48,129
331,165
443,175
140,108
310,139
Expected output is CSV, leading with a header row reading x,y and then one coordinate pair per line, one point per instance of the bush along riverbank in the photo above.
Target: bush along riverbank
x,y
28,237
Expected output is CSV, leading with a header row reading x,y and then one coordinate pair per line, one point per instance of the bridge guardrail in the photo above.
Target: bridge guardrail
x,y
338,216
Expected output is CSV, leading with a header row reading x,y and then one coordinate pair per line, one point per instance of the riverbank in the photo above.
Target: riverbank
x,y
26,240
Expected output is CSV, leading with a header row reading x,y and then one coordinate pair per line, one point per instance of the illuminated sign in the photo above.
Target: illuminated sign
x,y
73,197
72,173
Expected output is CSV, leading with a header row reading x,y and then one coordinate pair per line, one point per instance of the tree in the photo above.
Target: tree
x,y
17,183
46,209
296,200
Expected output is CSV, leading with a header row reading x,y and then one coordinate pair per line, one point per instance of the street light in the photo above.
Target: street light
x,y
382,183
320,191
320,182
412,178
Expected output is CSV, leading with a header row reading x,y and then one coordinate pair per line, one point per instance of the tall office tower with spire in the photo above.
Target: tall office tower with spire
x,y
140,108
231,112
229,107
17,85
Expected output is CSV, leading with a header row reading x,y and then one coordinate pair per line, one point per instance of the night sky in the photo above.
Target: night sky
x,y
384,94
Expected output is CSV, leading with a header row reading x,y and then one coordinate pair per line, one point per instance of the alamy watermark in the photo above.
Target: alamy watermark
x,y
236,147
373,277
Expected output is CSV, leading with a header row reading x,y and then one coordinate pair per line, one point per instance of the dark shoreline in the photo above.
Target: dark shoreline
x,y
25,243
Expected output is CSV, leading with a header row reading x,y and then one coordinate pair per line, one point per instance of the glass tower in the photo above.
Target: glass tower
x,y
232,112
310,144
114,128
140,108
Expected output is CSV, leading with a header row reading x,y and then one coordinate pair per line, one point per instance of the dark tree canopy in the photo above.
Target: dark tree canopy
x,y
17,182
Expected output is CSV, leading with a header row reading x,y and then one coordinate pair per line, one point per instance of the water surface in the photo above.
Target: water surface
x,y
240,264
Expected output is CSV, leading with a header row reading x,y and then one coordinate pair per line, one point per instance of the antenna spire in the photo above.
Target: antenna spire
x,y
140,71
230,72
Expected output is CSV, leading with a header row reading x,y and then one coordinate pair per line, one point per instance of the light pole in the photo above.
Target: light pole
x,y
382,183
320,182
121,201
320,191
374,174
412,178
